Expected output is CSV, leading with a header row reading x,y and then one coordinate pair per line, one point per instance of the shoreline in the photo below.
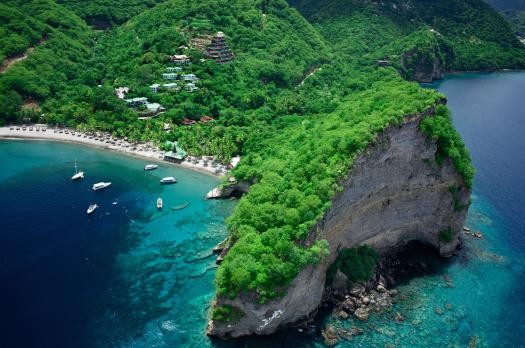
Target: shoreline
x,y
105,142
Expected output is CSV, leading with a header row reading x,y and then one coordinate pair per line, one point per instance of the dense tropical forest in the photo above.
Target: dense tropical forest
x,y
303,97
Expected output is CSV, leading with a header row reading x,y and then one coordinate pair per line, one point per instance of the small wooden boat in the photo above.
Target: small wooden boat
x,y
159,203
180,206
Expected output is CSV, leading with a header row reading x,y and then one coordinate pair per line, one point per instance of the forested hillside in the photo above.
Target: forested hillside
x,y
516,19
58,46
466,35
105,13
507,4
300,101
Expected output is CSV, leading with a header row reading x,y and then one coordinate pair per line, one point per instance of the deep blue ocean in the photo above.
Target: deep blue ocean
x,y
131,276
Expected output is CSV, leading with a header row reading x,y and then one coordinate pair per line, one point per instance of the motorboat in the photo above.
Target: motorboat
x,y
101,185
150,167
168,180
92,208
159,203
78,174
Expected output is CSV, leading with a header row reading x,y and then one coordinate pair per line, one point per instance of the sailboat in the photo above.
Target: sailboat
x,y
78,175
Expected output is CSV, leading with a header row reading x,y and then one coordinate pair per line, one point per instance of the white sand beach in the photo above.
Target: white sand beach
x,y
102,140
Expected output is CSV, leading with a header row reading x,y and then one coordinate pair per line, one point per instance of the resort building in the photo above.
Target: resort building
x,y
136,101
188,122
177,154
200,43
190,87
169,86
154,108
121,92
190,78
218,49
206,119
180,59
176,69
169,76
154,88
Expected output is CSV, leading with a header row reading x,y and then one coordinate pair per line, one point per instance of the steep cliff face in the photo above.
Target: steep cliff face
x,y
395,193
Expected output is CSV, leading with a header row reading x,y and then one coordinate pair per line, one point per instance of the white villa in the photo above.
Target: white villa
x,y
171,85
154,88
177,69
121,92
190,87
137,101
169,76
190,77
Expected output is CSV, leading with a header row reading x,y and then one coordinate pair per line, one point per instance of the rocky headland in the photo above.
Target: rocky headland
x,y
394,194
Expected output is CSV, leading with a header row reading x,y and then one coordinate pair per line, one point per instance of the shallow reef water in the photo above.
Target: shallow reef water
x,y
131,276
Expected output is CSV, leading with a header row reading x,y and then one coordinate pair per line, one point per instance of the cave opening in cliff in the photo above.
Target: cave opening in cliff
x,y
414,260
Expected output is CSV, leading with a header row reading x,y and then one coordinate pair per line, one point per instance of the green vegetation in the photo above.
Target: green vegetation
x,y
458,206
55,66
449,143
358,263
517,20
297,137
226,314
446,236
104,13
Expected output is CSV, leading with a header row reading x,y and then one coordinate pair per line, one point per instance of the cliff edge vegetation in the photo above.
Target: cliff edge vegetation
x,y
310,89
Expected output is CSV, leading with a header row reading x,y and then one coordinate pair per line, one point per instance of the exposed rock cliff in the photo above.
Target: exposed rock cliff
x,y
395,193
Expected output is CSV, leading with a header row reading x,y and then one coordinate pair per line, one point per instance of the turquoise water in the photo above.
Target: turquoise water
x,y
479,296
133,277
127,276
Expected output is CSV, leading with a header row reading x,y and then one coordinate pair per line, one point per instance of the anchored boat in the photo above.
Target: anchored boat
x,y
78,175
168,180
150,167
92,208
101,185
159,203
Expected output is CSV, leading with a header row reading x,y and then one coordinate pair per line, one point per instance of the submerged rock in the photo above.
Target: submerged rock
x,y
362,314
330,336
349,305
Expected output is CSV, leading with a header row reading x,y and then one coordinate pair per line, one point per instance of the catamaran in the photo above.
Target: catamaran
x,y
92,208
168,180
101,185
78,175
159,203
150,166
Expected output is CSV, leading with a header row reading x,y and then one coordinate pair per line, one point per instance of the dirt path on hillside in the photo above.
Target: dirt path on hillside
x,y
9,62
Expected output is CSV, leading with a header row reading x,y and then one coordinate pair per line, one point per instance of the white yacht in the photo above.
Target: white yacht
x,y
101,185
159,203
168,180
78,175
92,208
150,167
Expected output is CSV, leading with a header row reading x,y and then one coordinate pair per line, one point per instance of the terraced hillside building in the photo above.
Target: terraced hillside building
x,y
218,49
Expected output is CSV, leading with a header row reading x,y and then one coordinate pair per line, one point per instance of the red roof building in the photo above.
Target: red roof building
x,y
206,119
188,122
